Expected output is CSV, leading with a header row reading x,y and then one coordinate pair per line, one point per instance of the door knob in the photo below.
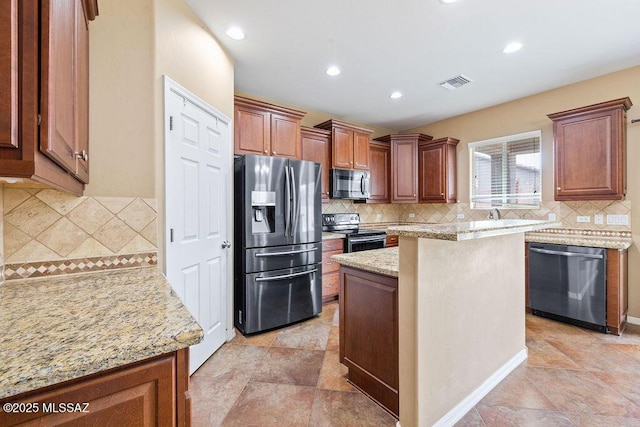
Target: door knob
x,y
226,244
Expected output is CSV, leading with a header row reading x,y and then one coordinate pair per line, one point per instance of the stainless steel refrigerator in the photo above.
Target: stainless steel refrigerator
x,y
278,242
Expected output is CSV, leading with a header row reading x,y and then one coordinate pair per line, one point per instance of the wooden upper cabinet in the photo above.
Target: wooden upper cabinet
x,y
437,171
9,72
266,129
316,147
44,133
349,145
379,172
404,165
590,151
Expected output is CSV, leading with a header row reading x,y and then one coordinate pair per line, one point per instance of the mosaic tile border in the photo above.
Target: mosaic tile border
x,y
31,270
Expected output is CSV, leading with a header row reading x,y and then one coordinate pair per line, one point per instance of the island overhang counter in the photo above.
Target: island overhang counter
x,y
461,313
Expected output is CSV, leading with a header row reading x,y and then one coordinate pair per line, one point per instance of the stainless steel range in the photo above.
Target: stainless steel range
x,y
358,239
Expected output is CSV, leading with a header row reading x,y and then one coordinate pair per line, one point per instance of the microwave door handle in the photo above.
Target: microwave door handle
x,y
287,201
362,183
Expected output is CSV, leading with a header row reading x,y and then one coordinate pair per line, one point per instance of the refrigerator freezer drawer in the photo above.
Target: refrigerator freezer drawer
x,y
280,257
280,297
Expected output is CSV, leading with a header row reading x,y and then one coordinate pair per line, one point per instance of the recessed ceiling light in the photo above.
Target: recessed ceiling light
x,y
448,1
333,70
395,95
235,33
512,47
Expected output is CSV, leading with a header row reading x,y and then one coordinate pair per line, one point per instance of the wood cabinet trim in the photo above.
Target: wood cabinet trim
x,y
329,124
624,103
272,108
90,9
420,137
9,65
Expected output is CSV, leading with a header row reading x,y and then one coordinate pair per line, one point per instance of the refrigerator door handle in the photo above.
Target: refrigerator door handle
x,y
269,254
296,203
285,276
287,201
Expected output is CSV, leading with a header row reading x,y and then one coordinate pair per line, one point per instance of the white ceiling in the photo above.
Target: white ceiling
x,y
412,45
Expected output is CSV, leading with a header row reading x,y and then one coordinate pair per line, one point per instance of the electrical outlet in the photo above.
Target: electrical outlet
x,y
583,218
598,219
552,217
378,216
460,216
412,215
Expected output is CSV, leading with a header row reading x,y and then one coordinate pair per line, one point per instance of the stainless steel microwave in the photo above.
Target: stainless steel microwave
x,y
349,184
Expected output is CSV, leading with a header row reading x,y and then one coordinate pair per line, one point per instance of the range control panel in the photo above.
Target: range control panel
x,y
341,219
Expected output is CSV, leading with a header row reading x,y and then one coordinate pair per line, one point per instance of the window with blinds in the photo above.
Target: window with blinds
x,y
506,172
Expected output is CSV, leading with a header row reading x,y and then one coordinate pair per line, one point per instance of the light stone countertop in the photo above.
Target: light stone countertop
x,y
59,328
457,231
595,239
326,235
382,261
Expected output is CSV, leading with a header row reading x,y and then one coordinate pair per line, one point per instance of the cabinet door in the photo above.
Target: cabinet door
x,y
252,131
404,170
58,97
82,95
360,150
342,148
285,137
9,73
589,157
316,148
139,396
431,172
380,173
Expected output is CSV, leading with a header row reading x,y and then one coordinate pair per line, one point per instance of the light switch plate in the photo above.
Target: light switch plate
x,y
617,219
460,216
598,219
583,218
552,217
412,215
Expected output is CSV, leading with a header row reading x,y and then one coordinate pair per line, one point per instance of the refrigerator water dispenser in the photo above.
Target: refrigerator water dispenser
x,y
263,209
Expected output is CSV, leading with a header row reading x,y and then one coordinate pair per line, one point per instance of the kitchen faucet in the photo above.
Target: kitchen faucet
x,y
494,214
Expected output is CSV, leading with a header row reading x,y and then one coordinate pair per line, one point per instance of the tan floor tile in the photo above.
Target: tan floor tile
x,y
597,357
264,339
290,366
553,330
582,420
309,335
333,375
333,344
471,419
518,391
271,405
626,383
543,354
339,408
504,416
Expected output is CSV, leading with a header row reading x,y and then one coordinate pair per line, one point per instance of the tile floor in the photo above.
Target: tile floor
x,y
292,377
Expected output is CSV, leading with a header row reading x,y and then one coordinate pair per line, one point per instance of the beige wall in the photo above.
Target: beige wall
x,y
530,113
121,100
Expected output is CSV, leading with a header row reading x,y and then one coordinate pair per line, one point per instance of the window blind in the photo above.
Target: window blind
x,y
506,172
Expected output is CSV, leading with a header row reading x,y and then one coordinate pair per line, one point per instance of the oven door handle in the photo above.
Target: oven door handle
x,y
367,239
301,251
285,276
567,254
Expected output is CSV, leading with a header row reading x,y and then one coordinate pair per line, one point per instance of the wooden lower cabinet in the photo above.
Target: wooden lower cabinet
x,y
617,288
369,334
154,392
330,269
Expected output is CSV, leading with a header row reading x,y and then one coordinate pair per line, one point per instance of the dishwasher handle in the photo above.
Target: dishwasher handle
x,y
567,254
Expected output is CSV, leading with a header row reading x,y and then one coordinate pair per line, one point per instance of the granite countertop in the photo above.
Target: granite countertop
x,y
59,328
457,231
326,235
382,261
593,238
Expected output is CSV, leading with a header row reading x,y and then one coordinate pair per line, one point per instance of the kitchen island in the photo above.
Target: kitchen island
x,y
116,341
460,313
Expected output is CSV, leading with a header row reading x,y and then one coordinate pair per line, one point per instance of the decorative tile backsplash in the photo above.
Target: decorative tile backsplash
x,y
566,212
49,226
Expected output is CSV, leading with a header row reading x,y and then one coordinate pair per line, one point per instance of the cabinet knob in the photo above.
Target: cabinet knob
x,y
414,195
558,188
266,151
442,194
82,155
273,152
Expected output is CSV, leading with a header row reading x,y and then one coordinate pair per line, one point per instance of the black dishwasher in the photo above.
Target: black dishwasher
x,y
568,283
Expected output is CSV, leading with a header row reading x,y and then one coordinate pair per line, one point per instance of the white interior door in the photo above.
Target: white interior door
x,y
198,194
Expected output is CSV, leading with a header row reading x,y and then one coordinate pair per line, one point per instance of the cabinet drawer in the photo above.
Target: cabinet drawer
x,y
328,265
392,241
330,284
332,245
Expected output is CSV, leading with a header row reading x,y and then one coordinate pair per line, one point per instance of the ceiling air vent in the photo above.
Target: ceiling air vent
x,y
455,82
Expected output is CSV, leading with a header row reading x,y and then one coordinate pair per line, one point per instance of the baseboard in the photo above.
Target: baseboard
x,y
633,320
231,334
461,409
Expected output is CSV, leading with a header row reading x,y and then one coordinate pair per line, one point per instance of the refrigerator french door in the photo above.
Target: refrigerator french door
x,y
278,232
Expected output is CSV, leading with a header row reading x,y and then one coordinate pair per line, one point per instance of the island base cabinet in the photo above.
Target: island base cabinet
x,y
148,393
369,334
